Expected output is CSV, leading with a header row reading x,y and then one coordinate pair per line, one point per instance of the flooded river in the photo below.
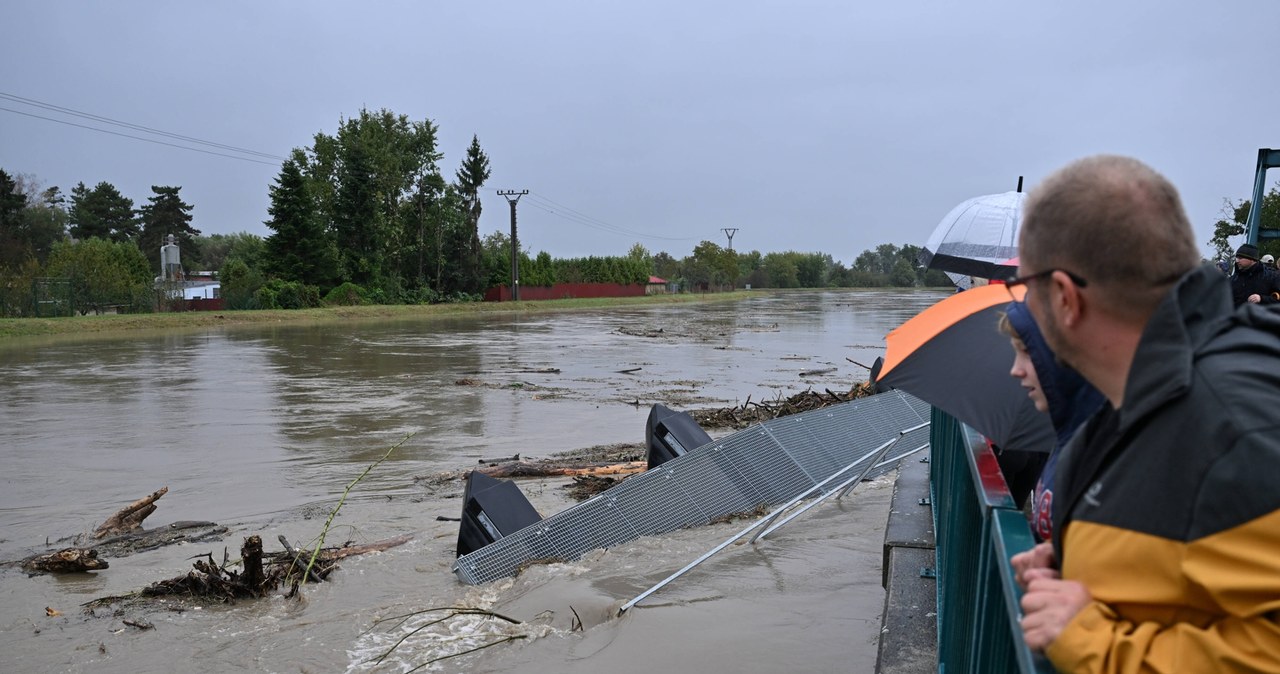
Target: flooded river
x,y
261,429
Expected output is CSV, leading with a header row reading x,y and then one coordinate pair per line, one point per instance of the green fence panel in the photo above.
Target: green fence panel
x,y
977,530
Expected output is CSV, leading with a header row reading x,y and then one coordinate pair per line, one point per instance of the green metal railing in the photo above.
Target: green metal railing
x,y
977,530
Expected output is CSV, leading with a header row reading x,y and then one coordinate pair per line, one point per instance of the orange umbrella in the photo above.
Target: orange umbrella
x,y
953,356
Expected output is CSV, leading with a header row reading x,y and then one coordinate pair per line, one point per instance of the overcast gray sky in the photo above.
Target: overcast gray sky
x,y
829,126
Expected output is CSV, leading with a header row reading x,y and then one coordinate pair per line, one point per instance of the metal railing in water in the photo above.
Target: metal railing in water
x,y
765,464
977,530
770,522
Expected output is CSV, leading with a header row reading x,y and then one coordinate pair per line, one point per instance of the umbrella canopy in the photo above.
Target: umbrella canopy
x,y
953,356
976,237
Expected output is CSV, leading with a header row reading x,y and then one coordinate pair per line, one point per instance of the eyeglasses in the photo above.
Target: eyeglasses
x,y
1016,281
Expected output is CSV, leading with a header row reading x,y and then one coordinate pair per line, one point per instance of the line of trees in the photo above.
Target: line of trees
x,y
84,253
366,215
711,267
362,215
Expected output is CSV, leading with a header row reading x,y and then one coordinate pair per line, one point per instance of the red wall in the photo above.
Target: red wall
x,y
213,304
561,291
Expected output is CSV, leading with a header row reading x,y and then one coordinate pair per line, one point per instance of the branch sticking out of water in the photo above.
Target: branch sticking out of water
x,y
334,513
470,650
454,611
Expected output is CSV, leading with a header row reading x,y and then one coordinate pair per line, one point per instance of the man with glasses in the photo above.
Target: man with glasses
x,y
1166,539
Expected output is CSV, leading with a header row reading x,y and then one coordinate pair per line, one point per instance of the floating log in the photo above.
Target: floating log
x,y
814,373
129,517
866,367
349,550
530,469
501,460
184,531
297,561
70,560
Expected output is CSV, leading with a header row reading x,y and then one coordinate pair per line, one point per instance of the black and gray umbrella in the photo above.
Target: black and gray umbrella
x,y
953,356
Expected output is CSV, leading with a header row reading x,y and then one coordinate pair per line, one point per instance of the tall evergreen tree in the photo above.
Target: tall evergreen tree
x,y
299,249
471,176
165,213
355,214
12,204
102,212
32,220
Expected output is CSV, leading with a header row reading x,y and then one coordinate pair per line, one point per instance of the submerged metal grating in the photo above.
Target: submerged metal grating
x,y
766,464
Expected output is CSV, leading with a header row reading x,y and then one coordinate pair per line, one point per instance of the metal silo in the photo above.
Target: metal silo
x,y
170,265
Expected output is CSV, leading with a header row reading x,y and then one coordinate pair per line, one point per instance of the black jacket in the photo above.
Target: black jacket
x,y
1168,509
1256,279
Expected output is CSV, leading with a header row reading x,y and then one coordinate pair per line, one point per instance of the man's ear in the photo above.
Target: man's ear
x,y
1066,295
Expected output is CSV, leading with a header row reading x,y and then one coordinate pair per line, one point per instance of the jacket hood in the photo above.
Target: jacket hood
x,y
1072,400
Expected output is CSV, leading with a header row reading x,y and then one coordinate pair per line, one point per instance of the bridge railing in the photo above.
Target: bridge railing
x,y
977,530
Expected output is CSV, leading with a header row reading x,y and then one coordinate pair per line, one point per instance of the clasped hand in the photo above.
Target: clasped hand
x,y
1049,603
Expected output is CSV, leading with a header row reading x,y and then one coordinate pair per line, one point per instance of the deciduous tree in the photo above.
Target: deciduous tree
x,y
102,273
1232,224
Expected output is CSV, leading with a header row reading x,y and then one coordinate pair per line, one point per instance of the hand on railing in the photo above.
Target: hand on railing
x,y
1049,605
1039,557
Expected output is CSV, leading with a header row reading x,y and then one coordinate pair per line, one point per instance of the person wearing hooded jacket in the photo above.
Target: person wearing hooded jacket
x,y
1054,388
1166,534
1252,281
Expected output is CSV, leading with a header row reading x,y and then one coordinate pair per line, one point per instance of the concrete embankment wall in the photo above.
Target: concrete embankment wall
x,y
909,627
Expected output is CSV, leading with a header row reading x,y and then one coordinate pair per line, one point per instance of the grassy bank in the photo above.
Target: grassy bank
x,y
81,325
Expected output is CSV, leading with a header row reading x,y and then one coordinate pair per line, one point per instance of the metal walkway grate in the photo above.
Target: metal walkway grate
x,y
766,464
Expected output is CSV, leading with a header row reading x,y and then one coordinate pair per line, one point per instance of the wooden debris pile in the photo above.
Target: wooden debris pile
x,y
259,574
584,487
209,579
750,413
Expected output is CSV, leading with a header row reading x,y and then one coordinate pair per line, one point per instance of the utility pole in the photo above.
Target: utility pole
x,y
515,242
730,231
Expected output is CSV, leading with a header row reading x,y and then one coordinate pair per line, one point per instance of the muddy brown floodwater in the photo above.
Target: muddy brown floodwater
x,y
261,428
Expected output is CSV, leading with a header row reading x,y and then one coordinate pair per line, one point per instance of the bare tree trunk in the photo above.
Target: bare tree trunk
x,y
130,517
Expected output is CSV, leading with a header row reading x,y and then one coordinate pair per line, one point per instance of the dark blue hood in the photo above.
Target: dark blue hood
x,y
1071,399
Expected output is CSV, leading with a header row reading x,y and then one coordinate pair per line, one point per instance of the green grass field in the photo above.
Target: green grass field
x,y
80,325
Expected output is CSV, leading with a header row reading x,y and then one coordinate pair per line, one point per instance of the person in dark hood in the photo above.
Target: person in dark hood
x,y
1055,389
1253,282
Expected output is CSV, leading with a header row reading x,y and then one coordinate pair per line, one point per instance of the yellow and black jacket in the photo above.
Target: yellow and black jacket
x,y
1168,509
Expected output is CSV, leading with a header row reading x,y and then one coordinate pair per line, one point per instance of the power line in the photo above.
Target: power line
x,y
567,213
136,127
129,125
148,140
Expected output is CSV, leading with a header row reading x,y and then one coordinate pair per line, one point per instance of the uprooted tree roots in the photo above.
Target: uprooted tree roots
x,y
260,572
209,579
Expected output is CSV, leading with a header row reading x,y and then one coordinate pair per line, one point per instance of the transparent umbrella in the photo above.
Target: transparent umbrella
x,y
976,239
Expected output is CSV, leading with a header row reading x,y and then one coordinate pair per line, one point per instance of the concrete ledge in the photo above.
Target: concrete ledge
x,y
910,524
909,626
909,629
